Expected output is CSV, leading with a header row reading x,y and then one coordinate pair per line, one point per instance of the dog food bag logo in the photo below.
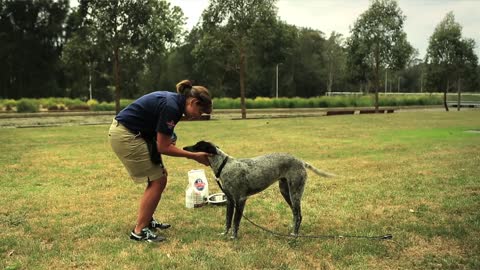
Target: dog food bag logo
x,y
199,184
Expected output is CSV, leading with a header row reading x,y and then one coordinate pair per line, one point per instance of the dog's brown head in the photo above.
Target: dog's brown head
x,y
202,146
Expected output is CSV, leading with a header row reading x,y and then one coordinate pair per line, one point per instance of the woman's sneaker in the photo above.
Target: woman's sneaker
x,y
157,225
146,235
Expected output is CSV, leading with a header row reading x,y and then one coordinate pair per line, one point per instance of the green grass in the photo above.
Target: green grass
x,y
68,203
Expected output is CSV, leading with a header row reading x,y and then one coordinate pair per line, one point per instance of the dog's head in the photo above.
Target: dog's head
x,y
202,146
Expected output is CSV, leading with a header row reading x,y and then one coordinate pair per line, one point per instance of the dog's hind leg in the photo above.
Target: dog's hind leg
x,y
283,184
239,206
296,191
297,216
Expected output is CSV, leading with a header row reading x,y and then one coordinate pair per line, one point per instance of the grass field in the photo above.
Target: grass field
x,y
66,202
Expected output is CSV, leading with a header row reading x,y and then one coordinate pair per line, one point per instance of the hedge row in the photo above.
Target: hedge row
x,y
328,102
63,104
27,105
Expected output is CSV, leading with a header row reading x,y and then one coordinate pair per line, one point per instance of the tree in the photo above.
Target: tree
x,y
334,55
134,30
234,23
308,63
450,57
359,71
413,75
214,61
81,60
378,40
31,38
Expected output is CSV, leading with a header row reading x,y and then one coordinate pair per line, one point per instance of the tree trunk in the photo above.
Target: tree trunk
x,y
377,75
421,83
459,95
330,83
242,82
116,70
445,96
90,97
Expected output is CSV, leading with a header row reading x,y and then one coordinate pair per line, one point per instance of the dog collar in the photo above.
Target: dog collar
x,y
217,175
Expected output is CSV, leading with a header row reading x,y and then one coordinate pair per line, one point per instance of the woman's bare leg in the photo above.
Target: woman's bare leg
x,y
149,202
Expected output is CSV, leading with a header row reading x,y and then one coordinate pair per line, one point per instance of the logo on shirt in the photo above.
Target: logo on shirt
x,y
171,124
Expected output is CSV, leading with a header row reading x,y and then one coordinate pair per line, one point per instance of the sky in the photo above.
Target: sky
x,y
339,16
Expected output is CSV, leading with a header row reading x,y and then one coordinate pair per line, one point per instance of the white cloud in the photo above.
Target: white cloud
x,y
192,9
326,16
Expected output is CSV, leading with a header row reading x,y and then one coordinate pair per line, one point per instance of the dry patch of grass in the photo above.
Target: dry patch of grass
x,y
437,246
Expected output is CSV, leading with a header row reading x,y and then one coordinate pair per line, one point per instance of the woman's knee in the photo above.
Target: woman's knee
x,y
158,184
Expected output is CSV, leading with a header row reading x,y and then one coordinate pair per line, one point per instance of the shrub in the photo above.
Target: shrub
x,y
124,103
321,102
226,103
26,105
262,103
53,108
281,103
70,103
92,102
8,104
361,101
48,102
104,106
79,107
338,101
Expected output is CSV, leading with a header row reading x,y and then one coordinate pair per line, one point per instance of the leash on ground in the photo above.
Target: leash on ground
x,y
380,237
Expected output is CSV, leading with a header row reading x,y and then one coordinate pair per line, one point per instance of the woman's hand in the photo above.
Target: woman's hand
x,y
166,146
202,158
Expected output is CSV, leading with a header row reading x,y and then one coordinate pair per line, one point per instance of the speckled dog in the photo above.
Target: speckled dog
x,y
240,178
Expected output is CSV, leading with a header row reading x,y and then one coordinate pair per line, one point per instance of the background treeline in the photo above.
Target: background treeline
x,y
111,49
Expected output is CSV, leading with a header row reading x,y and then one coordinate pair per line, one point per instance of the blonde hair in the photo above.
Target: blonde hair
x,y
199,92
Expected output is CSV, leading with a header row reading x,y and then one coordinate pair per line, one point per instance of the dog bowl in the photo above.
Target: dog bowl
x,y
217,199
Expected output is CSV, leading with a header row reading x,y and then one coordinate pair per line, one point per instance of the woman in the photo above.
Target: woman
x,y
150,120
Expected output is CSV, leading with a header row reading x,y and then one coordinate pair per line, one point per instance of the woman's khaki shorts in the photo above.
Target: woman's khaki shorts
x,y
132,151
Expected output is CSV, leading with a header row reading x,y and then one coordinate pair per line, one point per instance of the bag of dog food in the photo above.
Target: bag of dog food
x,y
196,193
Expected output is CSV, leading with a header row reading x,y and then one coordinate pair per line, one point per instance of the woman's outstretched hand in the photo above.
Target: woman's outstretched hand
x,y
202,158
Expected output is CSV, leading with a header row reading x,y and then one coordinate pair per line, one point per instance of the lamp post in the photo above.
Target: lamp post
x,y
276,69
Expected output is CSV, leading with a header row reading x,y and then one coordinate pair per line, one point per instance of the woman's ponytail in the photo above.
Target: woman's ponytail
x,y
184,87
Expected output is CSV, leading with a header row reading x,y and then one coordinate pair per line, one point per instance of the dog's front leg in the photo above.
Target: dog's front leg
x,y
228,215
239,206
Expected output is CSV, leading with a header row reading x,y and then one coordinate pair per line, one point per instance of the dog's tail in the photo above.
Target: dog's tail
x,y
317,171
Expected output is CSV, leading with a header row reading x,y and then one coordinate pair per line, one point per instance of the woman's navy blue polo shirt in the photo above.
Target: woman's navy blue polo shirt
x,y
155,112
